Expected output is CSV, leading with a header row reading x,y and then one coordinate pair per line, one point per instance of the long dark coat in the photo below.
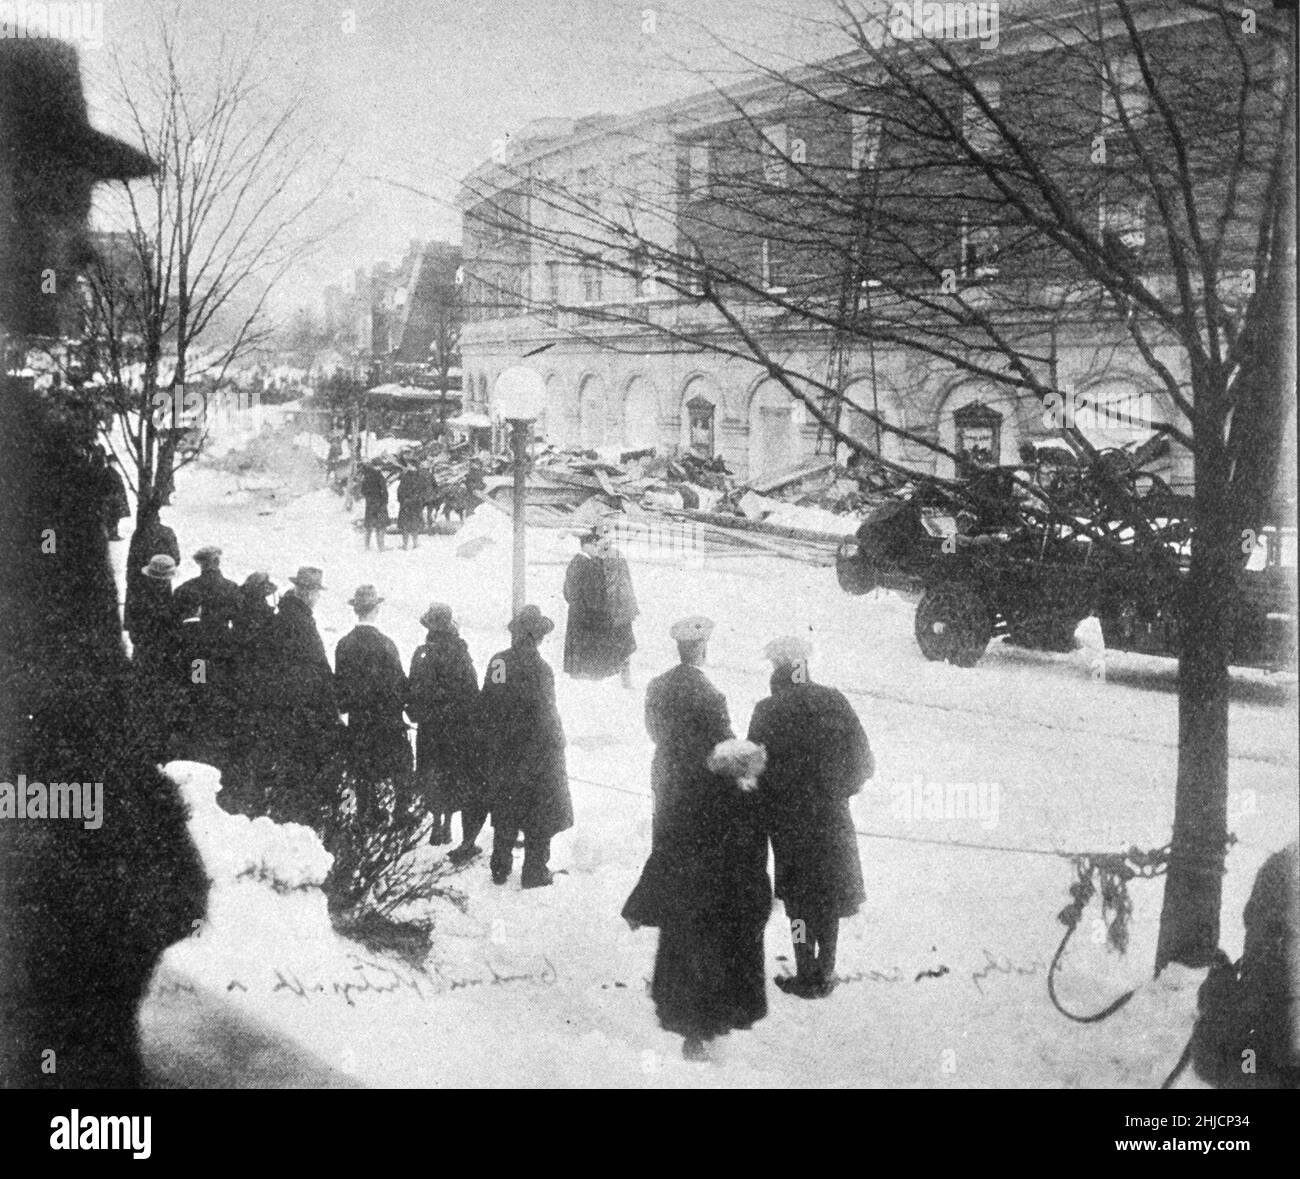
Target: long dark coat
x,y
374,490
413,492
305,729
254,664
442,699
705,884
148,540
817,757
218,600
370,687
85,912
586,633
158,689
522,738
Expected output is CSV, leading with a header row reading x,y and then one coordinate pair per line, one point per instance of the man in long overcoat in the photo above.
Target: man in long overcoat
x,y
586,633
705,885
304,740
442,700
620,608
370,687
413,491
254,666
86,908
523,747
817,757
215,600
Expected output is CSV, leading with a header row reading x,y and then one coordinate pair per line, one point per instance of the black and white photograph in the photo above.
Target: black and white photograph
x,y
649,544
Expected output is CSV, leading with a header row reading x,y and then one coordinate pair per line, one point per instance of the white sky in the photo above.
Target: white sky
x,y
417,94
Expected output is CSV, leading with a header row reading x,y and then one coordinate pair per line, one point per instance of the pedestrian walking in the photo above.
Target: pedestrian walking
x,y
442,699
253,668
818,756
523,747
705,884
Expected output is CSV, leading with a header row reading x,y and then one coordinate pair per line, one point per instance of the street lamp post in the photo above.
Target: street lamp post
x,y
518,396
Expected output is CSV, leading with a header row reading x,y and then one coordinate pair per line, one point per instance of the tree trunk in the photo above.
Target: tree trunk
x,y
1189,918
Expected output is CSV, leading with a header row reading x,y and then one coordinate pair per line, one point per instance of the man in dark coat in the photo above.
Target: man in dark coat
x,y
817,757
705,884
86,909
374,490
158,690
413,493
151,536
523,746
306,718
371,690
253,690
442,699
586,634
214,600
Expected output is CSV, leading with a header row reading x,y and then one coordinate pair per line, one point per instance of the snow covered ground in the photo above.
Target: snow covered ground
x,y
944,968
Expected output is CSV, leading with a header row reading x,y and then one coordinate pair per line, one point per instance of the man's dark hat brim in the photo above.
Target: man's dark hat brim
x,y
43,111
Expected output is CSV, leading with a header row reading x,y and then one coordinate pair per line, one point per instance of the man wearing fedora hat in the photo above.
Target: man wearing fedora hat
x,y
215,600
523,747
371,690
306,722
84,914
817,757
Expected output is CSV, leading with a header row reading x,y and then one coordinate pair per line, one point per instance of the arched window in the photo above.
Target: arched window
x,y
640,415
771,429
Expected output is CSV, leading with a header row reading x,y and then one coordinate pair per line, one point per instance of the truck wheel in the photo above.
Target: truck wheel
x,y
953,623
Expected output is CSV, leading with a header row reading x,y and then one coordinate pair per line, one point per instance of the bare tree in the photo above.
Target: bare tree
x,y
1120,174
205,240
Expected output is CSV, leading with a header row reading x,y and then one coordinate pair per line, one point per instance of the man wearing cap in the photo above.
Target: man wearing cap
x,y
523,747
817,757
371,690
306,722
215,594
85,913
705,883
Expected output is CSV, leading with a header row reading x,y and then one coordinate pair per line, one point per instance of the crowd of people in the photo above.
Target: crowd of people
x,y
226,677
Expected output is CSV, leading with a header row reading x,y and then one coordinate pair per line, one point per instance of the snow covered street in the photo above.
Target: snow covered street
x,y
943,971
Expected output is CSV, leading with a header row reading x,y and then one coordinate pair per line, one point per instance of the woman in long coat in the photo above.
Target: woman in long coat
x,y
620,609
705,885
586,634
244,784
817,757
442,700
523,747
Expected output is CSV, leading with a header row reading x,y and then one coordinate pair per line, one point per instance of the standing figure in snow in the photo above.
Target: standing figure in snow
x,y
370,687
155,657
116,505
243,784
523,748
586,634
374,490
442,699
817,757
305,726
151,536
620,608
705,884
412,495
215,600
